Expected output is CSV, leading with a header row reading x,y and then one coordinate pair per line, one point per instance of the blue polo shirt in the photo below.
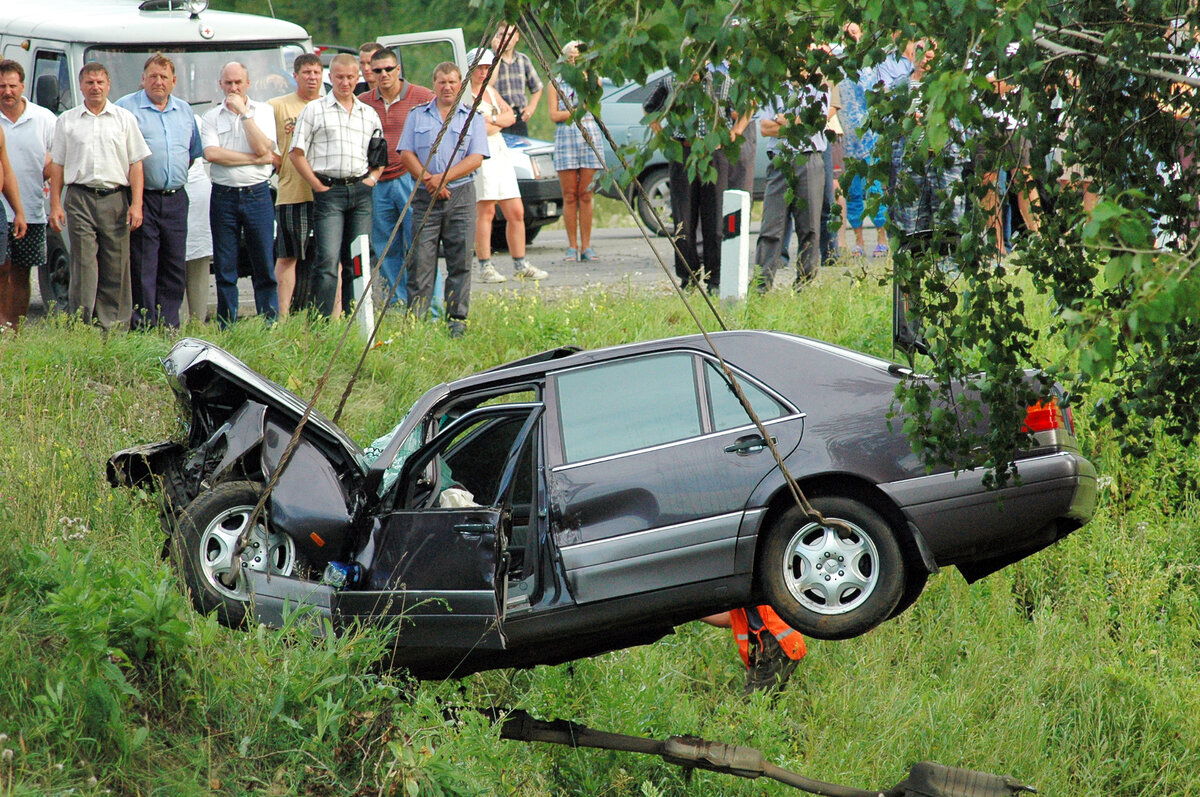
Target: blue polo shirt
x,y
421,130
171,134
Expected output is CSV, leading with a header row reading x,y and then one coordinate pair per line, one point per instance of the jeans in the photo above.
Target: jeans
x,y
390,198
451,222
247,212
340,215
157,263
804,211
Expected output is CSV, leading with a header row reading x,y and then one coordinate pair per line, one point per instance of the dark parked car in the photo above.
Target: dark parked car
x,y
621,110
576,502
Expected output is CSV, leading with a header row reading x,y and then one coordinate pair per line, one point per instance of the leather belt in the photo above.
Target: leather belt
x,y
327,180
164,191
98,191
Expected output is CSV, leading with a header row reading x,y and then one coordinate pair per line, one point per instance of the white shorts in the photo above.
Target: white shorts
x,y
496,179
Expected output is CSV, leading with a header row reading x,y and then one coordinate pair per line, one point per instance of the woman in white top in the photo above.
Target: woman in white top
x,y
496,180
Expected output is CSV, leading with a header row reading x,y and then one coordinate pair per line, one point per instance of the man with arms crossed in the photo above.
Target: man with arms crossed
x,y
294,202
239,142
393,99
446,193
329,150
158,249
28,133
97,154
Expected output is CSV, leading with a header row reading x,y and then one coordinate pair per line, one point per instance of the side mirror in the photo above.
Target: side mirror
x,y
46,93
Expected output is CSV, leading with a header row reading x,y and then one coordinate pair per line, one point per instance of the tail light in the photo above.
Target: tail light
x,y
1045,416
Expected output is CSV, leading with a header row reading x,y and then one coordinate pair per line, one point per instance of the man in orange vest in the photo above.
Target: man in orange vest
x,y
769,647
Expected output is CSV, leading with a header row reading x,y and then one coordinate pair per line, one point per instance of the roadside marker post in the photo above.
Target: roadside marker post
x,y
735,248
360,259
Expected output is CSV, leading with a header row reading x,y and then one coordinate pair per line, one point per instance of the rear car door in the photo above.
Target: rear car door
x,y
655,461
438,557
419,53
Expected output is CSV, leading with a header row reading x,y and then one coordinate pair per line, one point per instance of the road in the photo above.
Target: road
x,y
625,257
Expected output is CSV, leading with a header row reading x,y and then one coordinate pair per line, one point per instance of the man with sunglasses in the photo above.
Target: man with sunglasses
x,y
392,98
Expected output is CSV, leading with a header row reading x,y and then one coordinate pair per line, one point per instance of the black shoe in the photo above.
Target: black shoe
x,y
770,668
457,327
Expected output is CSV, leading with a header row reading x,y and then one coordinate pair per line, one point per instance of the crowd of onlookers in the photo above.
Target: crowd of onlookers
x,y
153,198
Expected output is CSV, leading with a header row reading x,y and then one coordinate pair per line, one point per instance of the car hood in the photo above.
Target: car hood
x,y
197,367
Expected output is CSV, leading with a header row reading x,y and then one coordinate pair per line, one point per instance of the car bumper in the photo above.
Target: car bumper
x,y
543,201
963,523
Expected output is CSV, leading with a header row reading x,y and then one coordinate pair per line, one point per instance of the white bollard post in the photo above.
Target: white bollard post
x,y
360,259
735,249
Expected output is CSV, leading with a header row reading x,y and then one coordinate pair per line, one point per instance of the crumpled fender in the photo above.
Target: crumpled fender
x,y
308,501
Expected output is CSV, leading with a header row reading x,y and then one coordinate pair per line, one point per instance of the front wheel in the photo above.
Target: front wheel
x,y
657,186
827,586
208,532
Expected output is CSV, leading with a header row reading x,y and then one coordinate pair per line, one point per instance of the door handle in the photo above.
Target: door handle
x,y
473,529
747,445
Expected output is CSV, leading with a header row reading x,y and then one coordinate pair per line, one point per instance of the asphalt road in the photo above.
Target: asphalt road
x,y
624,258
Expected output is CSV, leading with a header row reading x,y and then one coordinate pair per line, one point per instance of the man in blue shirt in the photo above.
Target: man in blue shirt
x,y
158,248
443,203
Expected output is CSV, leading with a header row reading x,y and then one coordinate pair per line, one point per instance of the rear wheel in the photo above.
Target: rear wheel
x,y
827,586
54,278
208,531
658,189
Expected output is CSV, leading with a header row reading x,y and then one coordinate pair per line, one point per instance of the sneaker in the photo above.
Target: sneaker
x,y
528,272
489,274
770,668
572,255
457,328
588,254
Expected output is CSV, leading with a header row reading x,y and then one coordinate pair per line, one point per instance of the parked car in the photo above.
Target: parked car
x,y
543,510
541,192
621,110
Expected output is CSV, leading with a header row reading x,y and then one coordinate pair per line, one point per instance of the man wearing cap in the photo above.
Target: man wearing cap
x,y
97,155
158,248
393,98
445,196
329,150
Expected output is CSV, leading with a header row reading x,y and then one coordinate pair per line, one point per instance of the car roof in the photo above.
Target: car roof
x,y
120,22
739,347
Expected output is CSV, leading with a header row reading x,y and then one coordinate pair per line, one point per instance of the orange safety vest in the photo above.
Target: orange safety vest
x,y
789,639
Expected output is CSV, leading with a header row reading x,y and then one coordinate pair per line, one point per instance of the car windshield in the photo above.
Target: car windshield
x,y
197,70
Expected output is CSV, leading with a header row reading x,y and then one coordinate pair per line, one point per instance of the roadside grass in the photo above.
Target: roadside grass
x,y
1073,670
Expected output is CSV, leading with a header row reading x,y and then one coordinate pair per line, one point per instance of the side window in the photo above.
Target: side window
x,y
418,60
51,84
727,411
627,405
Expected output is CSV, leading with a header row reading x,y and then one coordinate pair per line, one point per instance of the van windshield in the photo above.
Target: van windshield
x,y
197,71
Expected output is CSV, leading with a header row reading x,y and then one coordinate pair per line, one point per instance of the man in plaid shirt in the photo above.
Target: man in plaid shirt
x,y
515,78
329,150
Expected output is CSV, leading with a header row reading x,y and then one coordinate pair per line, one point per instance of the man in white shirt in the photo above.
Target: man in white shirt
x,y
329,150
28,134
97,154
239,142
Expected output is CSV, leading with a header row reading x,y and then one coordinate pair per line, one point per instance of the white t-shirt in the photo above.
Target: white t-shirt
x,y
221,127
28,141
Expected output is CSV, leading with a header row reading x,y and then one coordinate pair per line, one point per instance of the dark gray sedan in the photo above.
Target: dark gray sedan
x,y
576,502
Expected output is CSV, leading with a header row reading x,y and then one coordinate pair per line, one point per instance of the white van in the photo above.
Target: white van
x,y
52,40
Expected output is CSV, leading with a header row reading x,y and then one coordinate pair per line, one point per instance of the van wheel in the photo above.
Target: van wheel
x,y
825,586
203,549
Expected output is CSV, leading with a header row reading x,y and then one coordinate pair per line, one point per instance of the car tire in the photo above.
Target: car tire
x,y
54,278
658,188
825,600
202,548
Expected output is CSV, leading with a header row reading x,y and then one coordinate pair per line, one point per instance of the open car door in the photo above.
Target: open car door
x,y
437,558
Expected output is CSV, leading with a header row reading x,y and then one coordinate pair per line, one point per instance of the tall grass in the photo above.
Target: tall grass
x,y
1073,670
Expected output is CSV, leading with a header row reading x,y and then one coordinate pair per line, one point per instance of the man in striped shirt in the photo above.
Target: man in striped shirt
x,y
329,150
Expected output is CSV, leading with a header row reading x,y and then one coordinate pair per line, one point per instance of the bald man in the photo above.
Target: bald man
x,y
240,144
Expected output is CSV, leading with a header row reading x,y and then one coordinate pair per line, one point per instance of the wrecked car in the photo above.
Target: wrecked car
x,y
576,502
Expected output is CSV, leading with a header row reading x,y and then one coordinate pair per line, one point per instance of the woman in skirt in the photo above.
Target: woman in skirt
x,y
576,161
